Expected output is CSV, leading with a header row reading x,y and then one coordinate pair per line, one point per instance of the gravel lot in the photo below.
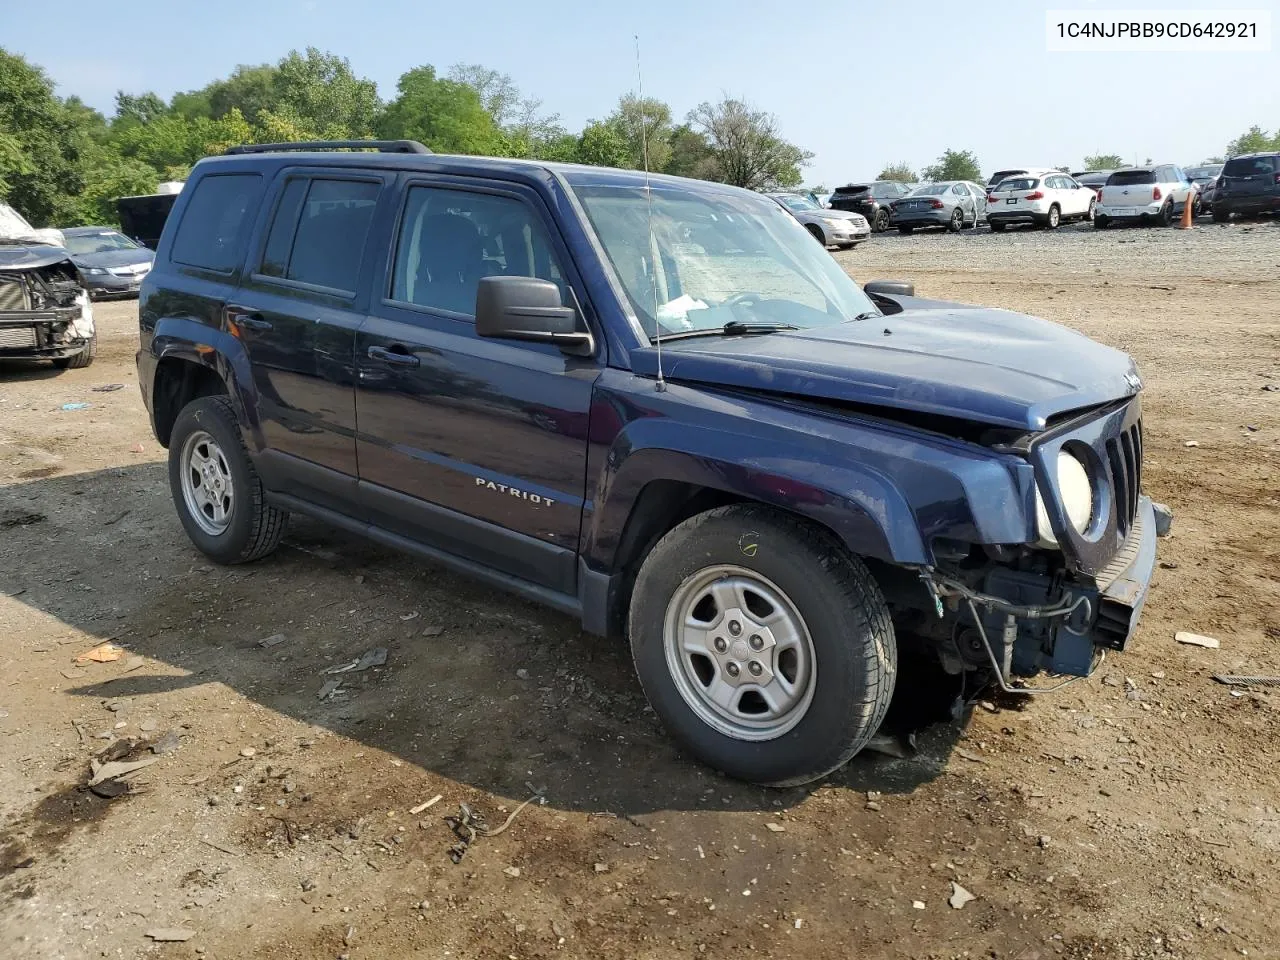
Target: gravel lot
x,y
1134,815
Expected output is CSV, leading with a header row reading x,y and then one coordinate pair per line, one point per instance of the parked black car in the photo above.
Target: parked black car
x,y
656,405
873,200
110,264
1205,177
1095,180
1248,185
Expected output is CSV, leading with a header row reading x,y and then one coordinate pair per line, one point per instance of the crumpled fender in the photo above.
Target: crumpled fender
x,y
82,327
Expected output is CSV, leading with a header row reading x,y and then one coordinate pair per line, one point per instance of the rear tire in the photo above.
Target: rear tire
x,y
1092,211
1054,218
820,616
881,223
906,231
957,221
82,359
1101,222
207,432
998,227
1165,217
1220,216
816,232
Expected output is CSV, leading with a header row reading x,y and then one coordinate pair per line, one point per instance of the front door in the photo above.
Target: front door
x,y
297,312
472,445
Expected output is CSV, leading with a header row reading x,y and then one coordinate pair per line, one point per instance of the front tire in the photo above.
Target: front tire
x,y
1054,218
1101,222
881,222
816,232
997,226
220,499
1220,216
82,359
957,221
1165,217
765,648
906,231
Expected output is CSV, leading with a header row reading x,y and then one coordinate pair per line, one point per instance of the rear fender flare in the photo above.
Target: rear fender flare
x,y
183,339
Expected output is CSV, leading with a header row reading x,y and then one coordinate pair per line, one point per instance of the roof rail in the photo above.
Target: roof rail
x,y
382,146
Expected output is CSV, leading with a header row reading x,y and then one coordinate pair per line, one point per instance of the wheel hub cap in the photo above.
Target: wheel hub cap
x,y
207,490
739,653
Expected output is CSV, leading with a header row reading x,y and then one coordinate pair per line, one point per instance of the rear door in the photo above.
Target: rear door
x,y
472,445
296,312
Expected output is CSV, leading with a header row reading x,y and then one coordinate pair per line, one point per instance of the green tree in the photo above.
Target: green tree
x,y
446,115
1103,161
646,125
1253,140
900,172
320,92
747,146
691,155
138,108
954,165
46,137
12,161
603,144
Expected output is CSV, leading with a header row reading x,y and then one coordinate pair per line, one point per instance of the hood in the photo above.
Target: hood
x,y
988,366
834,214
114,258
18,256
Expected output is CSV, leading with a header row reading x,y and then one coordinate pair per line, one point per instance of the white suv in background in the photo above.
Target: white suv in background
x,y
1144,194
1045,200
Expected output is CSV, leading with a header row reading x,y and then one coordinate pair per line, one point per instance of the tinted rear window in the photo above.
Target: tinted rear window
x,y
1129,178
217,218
1251,166
1001,174
851,191
1018,183
332,223
888,190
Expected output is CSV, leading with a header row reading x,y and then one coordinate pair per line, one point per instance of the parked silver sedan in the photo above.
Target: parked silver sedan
x,y
831,228
951,204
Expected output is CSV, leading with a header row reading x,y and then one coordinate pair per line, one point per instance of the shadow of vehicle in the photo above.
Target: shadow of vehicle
x,y
479,687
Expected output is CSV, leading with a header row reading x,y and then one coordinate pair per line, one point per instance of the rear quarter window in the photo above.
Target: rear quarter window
x,y
216,221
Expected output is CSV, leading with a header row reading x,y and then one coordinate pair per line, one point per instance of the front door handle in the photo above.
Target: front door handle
x,y
397,358
249,319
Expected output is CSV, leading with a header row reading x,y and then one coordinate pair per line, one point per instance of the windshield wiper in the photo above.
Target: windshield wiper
x,y
734,328
868,315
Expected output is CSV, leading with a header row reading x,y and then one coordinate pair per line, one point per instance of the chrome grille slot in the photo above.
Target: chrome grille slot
x,y
1124,457
1119,482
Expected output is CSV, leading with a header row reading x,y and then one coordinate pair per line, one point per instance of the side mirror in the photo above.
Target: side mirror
x,y
890,288
526,308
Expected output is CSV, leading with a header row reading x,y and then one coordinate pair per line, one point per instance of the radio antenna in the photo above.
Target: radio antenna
x,y
648,194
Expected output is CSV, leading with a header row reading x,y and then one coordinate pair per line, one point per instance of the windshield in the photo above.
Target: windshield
x,y
11,222
82,244
796,202
1129,178
886,191
717,258
930,190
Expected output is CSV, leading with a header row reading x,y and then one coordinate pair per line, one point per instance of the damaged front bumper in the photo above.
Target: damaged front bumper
x,y
1023,623
46,334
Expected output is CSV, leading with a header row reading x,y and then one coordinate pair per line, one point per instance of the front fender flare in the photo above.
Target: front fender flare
x,y
863,507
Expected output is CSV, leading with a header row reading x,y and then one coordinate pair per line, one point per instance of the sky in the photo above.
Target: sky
x,y
858,83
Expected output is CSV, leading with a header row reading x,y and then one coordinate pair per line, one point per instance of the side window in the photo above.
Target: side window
x,y
959,190
215,223
319,232
449,239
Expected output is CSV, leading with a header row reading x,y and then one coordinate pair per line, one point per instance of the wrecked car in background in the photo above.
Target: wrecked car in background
x,y
44,309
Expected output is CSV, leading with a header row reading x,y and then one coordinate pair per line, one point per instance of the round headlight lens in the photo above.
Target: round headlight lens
x,y
1077,499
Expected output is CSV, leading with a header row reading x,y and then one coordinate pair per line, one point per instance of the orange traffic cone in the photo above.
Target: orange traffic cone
x,y
1187,208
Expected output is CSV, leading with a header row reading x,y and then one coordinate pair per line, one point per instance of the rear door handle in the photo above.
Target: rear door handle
x,y
394,357
248,319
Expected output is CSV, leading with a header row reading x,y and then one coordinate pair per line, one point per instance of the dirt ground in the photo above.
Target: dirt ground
x,y
1132,815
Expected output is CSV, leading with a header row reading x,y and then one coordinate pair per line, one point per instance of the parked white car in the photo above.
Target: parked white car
x,y
1045,200
1145,195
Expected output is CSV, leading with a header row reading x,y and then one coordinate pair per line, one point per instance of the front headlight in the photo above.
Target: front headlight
x,y
94,271
836,222
1077,499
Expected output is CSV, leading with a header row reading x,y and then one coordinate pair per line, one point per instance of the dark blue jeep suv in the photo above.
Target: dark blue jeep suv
x,y
656,405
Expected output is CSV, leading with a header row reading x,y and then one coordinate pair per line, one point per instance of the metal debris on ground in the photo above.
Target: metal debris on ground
x,y
103,653
1244,681
469,825
432,631
109,388
329,689
171,934
272,640
376,657
116,768
1197,640
891,745
959,896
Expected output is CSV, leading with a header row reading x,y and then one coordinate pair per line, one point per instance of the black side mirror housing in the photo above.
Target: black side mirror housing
x,y
527,308
890,288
